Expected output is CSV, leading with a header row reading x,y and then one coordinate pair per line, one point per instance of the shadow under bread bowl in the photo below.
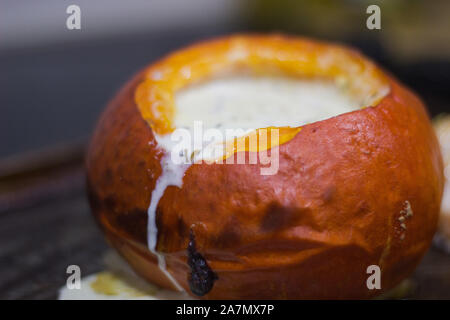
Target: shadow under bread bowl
x,y
353,189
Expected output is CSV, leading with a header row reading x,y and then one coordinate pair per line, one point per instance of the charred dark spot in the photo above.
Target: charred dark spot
x,y
182,227
108,176
277,218
229,235
363,208
134,222
201,278
110,203
328,193
142,164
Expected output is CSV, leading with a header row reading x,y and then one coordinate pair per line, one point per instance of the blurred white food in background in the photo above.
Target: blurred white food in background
x,y
442,127
118,282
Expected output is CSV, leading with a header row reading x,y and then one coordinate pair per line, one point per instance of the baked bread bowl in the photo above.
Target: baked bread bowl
x,y
355,189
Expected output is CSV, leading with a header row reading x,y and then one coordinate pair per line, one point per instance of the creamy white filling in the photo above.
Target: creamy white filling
x,y
172,175
259,102
240,102
245,103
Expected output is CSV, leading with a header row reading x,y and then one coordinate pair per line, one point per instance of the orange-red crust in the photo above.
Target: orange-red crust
x,y
310,231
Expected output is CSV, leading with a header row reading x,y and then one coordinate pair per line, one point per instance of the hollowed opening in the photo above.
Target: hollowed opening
x,y
250,102
247,83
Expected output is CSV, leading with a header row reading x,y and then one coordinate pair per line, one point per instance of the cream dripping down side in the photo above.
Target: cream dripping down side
x,y
241,102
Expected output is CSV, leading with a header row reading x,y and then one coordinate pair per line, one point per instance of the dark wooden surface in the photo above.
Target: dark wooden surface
x,y
37,245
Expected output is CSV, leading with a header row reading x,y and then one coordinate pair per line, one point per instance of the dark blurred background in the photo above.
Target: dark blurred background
x,y
54,83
